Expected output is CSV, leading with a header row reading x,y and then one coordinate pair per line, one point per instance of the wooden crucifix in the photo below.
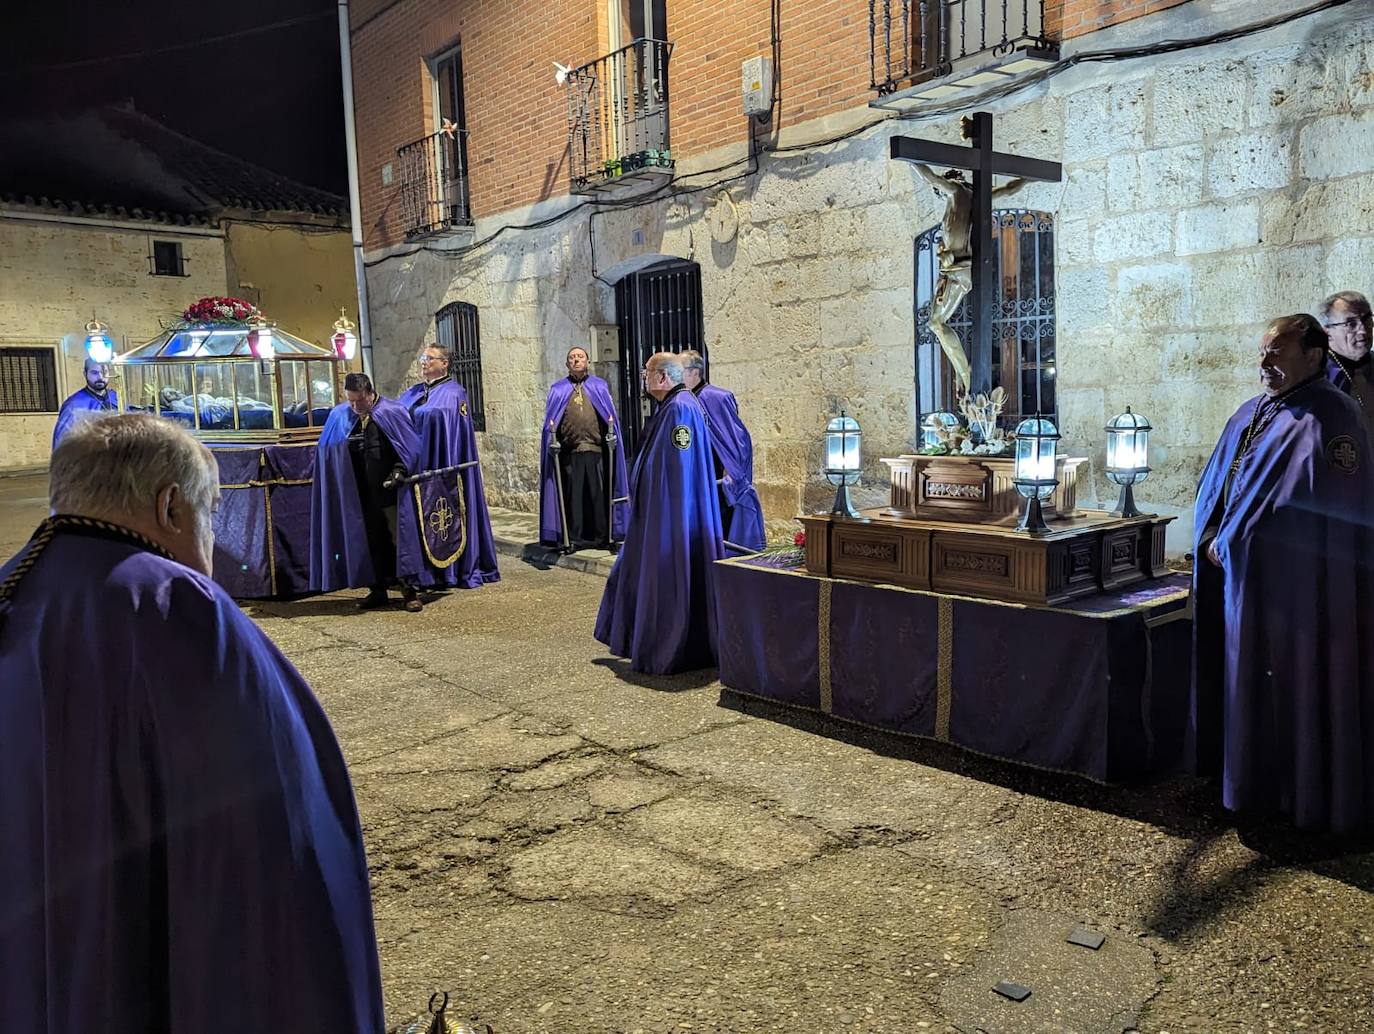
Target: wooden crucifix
x,y
968,260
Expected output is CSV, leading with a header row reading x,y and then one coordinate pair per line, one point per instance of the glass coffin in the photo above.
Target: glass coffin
x,y
224,385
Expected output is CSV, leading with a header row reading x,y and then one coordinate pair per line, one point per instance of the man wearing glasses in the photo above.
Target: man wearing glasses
x,y
659,606
1346,317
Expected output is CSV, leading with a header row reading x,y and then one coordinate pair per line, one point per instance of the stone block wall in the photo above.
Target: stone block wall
x,y
1204,193
54,276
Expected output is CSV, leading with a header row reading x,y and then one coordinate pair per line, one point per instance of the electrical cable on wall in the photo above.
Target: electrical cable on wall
x,y
668,190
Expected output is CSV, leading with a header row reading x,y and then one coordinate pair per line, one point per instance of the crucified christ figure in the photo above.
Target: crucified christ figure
x,y
956,262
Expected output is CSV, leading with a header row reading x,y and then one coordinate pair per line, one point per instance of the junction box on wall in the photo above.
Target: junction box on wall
x,y
756,85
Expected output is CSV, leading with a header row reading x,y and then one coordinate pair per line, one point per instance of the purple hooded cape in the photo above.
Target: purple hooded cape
x,y
741,513
447,439
179,845
78,405
659,608
339,557
550,503
1283,677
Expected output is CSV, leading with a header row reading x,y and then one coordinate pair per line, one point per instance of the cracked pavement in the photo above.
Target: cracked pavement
x,y
567,846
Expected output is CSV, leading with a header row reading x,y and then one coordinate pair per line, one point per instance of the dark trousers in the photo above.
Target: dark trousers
x,y
380,524
584,498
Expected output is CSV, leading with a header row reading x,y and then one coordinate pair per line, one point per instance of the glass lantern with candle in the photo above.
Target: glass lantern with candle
x,y
842,460
935,432
1128,454
1036,446
344,340
99,345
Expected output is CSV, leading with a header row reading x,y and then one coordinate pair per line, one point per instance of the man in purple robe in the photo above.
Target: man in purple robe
x,y
363,532
659,608
1348,322
179,844
95,396
741,513
1283,676
579,435
438,406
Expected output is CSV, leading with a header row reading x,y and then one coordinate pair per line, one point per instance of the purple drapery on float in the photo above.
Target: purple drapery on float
x,y
339,557
447,439
79,406
262,526
550,505
179,846
659,607
1283,679
741,513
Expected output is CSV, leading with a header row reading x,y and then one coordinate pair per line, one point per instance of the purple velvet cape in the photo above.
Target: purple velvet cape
x,y
550,504
339,558
179,845
659,608
1283,676
77,406
742,518
447,439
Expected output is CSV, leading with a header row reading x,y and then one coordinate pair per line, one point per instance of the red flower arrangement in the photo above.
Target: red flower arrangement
x,y
799,539
220,310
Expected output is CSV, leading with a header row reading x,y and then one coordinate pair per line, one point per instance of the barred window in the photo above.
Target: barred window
x,y
458,332
28,380
1023,329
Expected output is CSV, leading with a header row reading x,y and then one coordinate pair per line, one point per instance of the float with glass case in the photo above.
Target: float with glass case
x,y
232,377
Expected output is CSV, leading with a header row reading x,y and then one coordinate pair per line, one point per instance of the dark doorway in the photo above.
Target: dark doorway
x,y
658,309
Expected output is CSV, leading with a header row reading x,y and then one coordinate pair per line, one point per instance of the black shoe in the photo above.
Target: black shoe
x,y
412,598
374,599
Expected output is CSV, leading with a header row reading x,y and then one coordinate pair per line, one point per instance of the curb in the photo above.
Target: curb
x,y
541,556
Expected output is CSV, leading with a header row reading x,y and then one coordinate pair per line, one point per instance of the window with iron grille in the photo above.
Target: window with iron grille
x,y
458,332
658,309
167,259
1023,334
28,380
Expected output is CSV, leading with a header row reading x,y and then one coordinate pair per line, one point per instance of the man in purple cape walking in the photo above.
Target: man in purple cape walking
x,y
579,418
363,531
1283,676
179,844
659,608
438,406
741,513
95,396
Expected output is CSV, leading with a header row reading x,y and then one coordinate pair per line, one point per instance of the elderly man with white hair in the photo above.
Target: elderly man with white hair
x,y
179,845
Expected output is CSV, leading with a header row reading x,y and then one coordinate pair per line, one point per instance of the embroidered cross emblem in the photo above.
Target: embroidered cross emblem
x,y
441,519
1344,454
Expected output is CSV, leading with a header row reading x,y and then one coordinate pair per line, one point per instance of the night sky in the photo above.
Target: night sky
x,y
272,97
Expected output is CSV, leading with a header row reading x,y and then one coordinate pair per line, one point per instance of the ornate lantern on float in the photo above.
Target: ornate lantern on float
x,y
842,461
345,341
1035,478
1128,454
99,344
260,339
933,424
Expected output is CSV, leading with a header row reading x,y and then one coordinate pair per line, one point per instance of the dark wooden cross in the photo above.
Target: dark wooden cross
x,y
984,163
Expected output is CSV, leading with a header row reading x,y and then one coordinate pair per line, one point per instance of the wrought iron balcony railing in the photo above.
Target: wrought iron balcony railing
x,y
434,183
618,116
969,42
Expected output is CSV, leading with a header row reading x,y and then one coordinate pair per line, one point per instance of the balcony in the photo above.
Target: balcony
x,y
925,50
433,183
618,118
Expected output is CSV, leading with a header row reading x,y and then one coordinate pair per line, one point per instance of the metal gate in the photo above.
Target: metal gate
x,y
658,309
457,330
1023,335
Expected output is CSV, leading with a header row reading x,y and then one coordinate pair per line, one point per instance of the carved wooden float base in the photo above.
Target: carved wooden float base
x,y
1091,552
